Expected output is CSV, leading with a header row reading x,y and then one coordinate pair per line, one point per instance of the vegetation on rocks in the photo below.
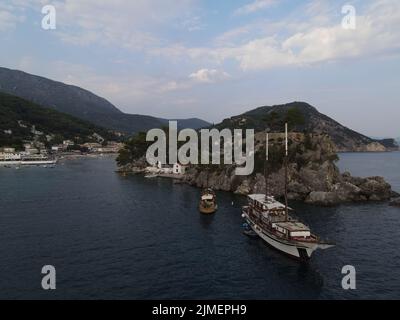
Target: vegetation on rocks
x,y
312,171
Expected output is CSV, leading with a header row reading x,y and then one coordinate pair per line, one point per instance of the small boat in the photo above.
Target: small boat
x,y
208,201
248,231
150,176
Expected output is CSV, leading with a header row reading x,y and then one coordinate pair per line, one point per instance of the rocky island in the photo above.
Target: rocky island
x,y
313,175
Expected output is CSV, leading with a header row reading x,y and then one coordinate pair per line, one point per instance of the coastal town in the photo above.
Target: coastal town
x,y
36,152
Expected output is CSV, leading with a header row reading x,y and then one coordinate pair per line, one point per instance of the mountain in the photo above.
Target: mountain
x,y
303,117
81,103
22,120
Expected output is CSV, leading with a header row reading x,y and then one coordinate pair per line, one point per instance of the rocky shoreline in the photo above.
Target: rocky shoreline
x,y
313,176
395,202
331,191
325,187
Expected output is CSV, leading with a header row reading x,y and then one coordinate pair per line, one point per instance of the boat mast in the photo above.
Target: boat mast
x,y
266,167
207,173
286,171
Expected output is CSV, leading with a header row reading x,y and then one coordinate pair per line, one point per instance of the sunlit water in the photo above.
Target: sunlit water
x,y
135,238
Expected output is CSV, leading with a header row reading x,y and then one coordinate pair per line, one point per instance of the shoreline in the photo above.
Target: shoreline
x,y
60,159
345,188
67,157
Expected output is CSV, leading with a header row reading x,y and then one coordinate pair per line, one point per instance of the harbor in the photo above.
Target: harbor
x,y
38,155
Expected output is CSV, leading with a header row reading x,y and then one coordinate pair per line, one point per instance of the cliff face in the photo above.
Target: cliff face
x,y
313,175
313,144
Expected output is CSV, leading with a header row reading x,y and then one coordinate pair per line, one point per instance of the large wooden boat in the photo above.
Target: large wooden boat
x,y
270,220
208,201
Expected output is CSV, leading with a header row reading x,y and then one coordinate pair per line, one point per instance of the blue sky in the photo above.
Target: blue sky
x,y
214,59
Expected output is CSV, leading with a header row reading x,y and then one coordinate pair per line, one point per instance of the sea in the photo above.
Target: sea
x,y
114,237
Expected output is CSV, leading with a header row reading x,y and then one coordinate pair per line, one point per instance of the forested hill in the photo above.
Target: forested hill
x,y
303,117
81,103
18,116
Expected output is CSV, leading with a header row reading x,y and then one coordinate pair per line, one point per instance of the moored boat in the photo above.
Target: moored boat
x,y
271,221
208,201
32,160
268,219
151,176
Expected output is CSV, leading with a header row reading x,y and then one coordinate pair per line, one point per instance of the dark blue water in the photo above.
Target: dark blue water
x,y
111,237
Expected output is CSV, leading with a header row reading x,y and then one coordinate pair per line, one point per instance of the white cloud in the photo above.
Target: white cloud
x,y
254,6
209,75
194,23
122,23
306,43
173,85
9,19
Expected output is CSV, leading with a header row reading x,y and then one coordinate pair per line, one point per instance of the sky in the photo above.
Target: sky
x,y
215,59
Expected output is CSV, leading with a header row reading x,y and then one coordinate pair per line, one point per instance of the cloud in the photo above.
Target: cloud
x,y
209,75
9,19
123,23
304,43
253,7
194,23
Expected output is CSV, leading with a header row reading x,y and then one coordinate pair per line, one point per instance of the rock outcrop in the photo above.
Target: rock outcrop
x,y
395,202
313,178
310,120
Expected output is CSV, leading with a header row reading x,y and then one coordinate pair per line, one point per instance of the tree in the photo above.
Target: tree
x,y
294,117
134,149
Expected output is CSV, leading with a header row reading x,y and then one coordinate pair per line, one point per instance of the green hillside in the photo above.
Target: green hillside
x,y
19,115
81,103
302,117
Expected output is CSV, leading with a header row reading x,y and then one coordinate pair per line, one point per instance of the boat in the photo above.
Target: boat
x,y
37,160
271,221
150,176
248,231
208,201
31,160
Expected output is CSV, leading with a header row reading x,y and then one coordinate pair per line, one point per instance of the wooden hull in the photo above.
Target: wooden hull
x,y
295,249
208,210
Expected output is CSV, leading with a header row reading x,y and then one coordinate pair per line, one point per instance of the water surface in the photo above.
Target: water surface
x,y
112,237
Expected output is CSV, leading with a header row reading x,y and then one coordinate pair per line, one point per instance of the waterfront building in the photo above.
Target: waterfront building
x,y
179,168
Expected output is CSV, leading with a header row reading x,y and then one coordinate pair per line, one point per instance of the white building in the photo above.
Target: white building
x,y
98,137
160,168
67,143
10,156
36,132
178,168
31,150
